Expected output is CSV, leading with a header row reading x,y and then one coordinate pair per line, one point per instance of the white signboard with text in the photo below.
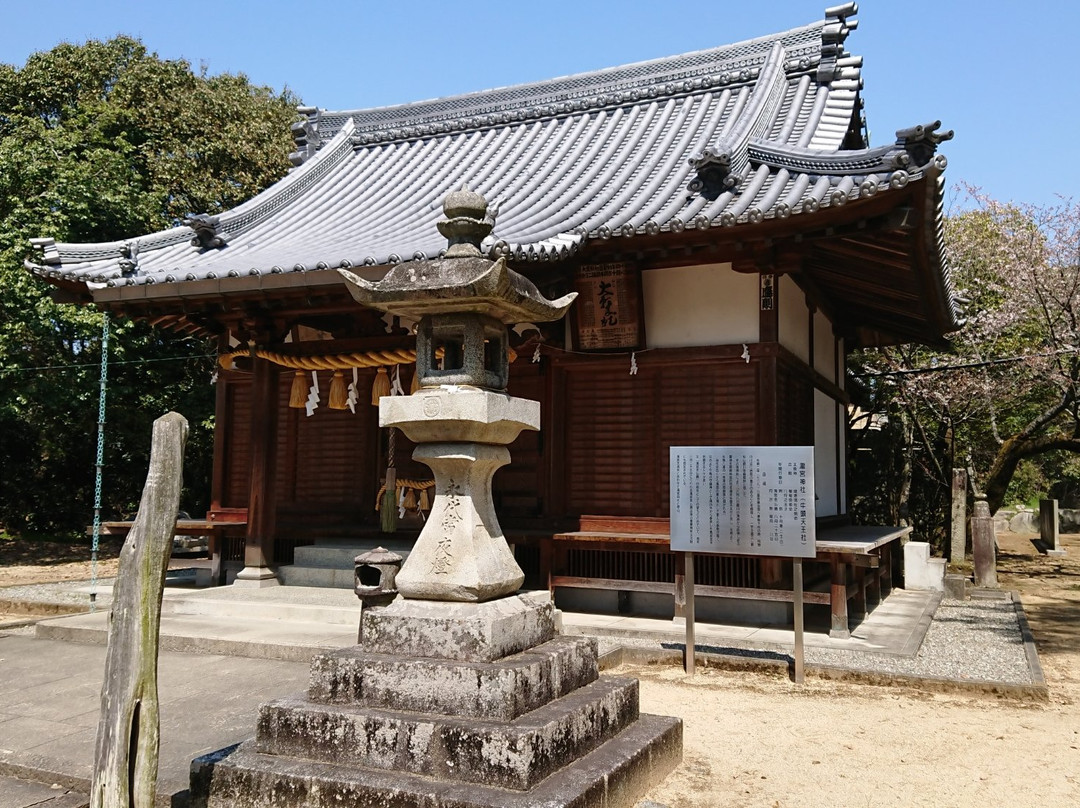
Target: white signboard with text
x,y
743,500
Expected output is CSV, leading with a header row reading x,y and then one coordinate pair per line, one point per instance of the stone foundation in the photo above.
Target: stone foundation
x,y
446,706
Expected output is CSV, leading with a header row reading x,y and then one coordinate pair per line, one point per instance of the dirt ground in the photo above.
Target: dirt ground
x,y
754,739
25,562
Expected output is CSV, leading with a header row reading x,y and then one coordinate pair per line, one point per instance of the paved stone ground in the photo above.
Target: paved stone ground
x,y
49,711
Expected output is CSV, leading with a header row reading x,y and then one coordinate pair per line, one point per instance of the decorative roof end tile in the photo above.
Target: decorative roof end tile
x,y
50,253
920,142
833,34
129,259
306,135
205,227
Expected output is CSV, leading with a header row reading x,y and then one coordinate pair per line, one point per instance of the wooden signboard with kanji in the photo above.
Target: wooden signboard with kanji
x,y
608,314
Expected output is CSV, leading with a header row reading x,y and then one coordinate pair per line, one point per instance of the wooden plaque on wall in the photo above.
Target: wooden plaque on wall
x,y
608,314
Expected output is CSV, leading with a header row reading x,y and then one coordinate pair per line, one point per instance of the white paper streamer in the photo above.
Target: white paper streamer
x,y
313,394
354,395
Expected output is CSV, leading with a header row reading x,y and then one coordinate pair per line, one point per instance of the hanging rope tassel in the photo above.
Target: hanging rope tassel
x,y
339,395
381,387
298,392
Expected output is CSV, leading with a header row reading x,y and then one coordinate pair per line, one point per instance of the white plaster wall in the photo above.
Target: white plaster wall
x,y
824,347
702,305
825,457
794,318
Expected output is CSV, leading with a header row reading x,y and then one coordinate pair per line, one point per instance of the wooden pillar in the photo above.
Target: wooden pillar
x,y
838,599
259,540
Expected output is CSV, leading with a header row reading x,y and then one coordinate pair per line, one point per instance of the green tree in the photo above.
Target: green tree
x,y
98,142
1006,392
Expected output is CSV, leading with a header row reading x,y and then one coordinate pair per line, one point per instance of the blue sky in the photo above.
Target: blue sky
x,y
1000,74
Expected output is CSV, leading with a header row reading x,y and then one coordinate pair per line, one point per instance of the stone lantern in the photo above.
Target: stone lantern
x,y
374,577
460,417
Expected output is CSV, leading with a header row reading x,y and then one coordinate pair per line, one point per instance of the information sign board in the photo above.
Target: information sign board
x,y
743,500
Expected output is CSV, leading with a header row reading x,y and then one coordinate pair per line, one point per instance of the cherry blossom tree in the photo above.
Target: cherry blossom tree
x,y
1006,389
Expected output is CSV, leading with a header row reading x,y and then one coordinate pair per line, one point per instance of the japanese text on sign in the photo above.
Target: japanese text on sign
x,y
609,308
745,500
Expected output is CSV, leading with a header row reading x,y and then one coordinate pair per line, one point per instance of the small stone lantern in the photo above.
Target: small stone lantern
x,y
375,574
460,417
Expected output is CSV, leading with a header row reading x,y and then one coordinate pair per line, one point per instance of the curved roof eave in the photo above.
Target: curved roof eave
x,y
729,138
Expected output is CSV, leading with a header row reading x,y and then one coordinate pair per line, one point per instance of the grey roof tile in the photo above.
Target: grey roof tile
x,y
753,129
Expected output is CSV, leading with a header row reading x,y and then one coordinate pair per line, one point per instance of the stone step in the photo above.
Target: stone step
x,y
292,641
614,775
331,563
501,690
514,754
333,607
316,577
342,554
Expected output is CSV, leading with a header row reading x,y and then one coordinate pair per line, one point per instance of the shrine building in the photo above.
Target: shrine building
x,y
731,235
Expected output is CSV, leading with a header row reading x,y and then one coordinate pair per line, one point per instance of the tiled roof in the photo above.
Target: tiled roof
x,y
725,137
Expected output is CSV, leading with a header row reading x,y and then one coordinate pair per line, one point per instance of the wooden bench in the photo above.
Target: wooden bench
x,y
860,563
218,531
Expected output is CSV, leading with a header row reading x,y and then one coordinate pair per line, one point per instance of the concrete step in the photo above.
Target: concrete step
x,y
332,563
290,640
342,554
329,607
299,575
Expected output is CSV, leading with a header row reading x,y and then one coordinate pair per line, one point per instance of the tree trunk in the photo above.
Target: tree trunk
x,y
126,752
1010,454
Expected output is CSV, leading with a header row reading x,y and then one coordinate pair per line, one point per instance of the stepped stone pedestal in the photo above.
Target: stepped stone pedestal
x,y
447,706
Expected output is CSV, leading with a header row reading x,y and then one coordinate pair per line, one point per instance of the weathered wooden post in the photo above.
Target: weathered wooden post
x,y
126,753
983,544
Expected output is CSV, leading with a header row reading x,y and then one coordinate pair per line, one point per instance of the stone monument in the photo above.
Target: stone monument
x,y
460,691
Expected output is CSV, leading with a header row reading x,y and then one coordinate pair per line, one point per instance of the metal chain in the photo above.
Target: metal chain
x,y
99,463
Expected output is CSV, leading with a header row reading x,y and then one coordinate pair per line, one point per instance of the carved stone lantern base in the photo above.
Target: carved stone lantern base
x,y
462,432
461,554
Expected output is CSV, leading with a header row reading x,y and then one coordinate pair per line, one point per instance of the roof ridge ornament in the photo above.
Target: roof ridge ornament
x,y
207,235
722,167
306,135
49,250
833,34
919,143
129,258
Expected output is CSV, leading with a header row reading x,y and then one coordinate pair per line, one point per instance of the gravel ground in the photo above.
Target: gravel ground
x,y
967,641
976,641
67,593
